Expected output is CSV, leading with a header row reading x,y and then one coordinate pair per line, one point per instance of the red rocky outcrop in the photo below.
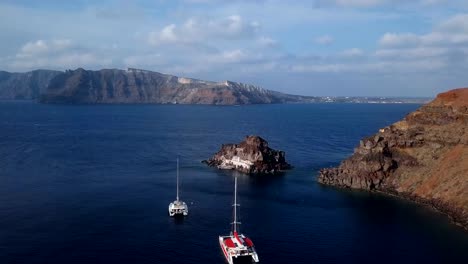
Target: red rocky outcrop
x,y
251,156
424,157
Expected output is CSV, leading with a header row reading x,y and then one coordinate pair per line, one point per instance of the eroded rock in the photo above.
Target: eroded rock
x,y
251,156
423,158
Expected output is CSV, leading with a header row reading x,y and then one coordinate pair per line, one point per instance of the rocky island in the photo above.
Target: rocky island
x,y
251,156
424,158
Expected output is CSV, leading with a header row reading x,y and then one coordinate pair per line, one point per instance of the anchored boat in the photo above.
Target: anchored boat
x,y
237,247
178,207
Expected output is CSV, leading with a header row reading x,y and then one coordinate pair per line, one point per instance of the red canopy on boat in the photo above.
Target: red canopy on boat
x,y
229,243
248,242
238,238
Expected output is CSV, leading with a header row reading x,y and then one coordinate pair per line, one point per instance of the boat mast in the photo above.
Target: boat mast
x,y
235,206
177,178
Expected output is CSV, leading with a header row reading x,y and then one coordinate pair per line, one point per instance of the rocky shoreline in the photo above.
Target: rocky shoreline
x,y
423,158
251,156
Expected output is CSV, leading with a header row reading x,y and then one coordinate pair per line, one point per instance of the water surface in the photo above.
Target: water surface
x,y
91,184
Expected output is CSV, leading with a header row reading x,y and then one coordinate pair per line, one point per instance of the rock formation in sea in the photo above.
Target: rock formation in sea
x,y
251,156
424,158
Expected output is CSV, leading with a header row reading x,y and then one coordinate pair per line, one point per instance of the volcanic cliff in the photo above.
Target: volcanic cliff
x,y
27,85
424,158
251,156
135,86
141,86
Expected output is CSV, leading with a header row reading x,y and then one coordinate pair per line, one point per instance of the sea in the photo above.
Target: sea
x,y
92,183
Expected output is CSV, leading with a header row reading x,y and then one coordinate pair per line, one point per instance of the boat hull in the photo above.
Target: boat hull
x,y
227,256
236,258
178,208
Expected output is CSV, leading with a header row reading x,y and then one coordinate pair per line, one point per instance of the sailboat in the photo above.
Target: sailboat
x,y
236,246
178,207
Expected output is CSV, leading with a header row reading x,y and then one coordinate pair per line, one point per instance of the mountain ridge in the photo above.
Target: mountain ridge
x,y
134,86
141,86
25,85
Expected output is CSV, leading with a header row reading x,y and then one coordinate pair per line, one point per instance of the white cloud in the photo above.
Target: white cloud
x,y
379,3
54,54
452,31
168,34
411,53
358,3
324,40
236,26
394,39
440,50
62,61
266,41
38,47
380,67
458,23
433,2
241,37
35,47
145,60
233,56
433,38
232,27
320,68
352,53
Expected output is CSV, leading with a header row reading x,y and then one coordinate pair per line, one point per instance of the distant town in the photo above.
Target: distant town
x,y
373,100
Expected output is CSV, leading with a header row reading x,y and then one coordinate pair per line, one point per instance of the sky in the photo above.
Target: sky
x,y
414,48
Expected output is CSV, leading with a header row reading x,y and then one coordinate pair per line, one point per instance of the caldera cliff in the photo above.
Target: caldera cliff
x,y
134,86
424,158
251,156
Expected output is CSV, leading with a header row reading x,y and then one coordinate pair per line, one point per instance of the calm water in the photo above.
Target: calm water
x,y
91,184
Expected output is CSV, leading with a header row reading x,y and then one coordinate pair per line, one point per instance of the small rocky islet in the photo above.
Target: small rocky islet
x,y
252,156
423,158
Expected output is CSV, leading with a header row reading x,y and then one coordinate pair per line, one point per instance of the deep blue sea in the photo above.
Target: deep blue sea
x,y
91,184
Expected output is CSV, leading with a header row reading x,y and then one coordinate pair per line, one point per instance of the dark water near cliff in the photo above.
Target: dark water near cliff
x,y
91,184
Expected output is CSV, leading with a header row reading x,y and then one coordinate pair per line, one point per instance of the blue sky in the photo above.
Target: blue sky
x,y
314,47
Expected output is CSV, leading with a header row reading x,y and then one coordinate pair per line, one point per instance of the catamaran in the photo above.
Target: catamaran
x,y
178,207
237,247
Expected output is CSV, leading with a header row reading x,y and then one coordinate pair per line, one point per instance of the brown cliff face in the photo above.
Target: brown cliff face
x,y
424,157
251,156
139,86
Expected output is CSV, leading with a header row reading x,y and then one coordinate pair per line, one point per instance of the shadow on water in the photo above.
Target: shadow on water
x,y
179,219
243,260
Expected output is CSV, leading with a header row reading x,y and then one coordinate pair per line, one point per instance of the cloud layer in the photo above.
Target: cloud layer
x,y
307,47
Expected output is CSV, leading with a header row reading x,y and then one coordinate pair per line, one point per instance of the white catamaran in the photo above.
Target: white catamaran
x,y
237,247
178,207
